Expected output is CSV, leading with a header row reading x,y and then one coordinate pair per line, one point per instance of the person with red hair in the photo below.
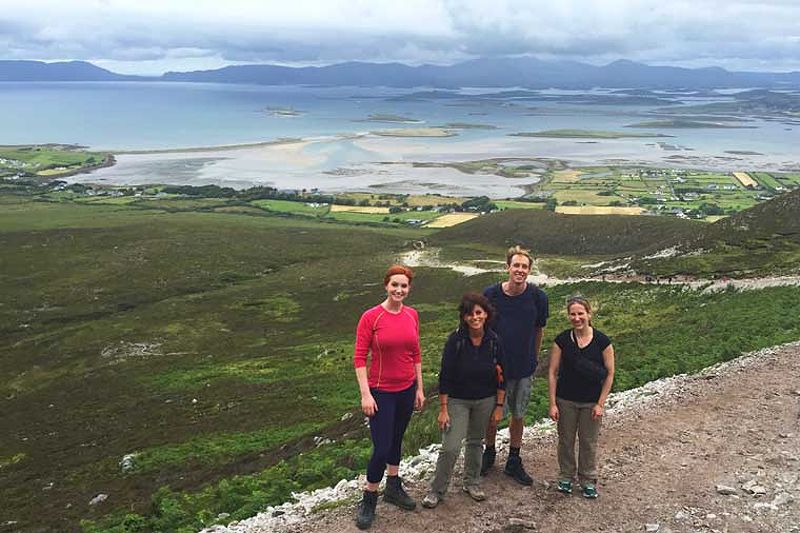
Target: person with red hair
x,y
388,368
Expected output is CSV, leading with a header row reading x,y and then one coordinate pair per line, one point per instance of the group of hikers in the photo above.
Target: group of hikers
x,y
486,372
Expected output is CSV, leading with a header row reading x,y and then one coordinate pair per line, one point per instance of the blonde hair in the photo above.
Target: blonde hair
x,y
518,250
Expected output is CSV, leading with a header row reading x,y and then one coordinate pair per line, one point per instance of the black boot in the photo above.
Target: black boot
x,y
487,461
394,494
515,470
366,509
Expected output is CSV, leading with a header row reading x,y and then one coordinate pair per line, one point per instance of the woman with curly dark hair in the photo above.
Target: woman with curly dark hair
x,y
471,390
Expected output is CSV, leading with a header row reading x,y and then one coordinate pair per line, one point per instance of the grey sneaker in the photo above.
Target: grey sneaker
x,y
431,500
590,491
475,492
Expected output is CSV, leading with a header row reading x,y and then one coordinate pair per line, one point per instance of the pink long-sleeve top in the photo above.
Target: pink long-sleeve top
x,y
392,341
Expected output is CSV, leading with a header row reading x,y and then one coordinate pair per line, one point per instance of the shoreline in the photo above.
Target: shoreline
x,y
219,148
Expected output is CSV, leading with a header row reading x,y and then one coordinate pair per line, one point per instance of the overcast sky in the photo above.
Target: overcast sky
x,y
153,36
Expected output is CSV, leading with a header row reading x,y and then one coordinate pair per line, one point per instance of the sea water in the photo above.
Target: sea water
x,y
340,150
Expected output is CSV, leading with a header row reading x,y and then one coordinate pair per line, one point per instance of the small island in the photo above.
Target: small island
x,y
680,123
584,134
416,132
386,117
283,112
468,126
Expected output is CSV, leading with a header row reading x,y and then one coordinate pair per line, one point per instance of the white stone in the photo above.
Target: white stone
x,y
98,499
725,490
651,528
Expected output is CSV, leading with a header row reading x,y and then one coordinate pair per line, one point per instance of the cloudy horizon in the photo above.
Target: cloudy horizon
x,y
151,37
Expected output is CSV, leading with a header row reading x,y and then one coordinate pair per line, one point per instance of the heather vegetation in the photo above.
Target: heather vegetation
x,y
190,356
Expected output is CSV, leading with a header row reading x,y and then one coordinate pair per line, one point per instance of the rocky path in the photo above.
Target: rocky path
x,y
715,452
430,258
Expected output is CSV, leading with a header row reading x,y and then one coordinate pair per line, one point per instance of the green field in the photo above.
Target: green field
x,y
46,160
210,340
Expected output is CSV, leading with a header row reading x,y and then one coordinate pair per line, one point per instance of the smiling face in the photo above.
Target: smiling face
x,y
397,288
578,315
476,319
519,266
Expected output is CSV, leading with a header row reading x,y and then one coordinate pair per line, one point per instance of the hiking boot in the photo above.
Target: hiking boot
x,y
366,509
515,470
475,492
431,500
565,486
394,494
590,491
487,461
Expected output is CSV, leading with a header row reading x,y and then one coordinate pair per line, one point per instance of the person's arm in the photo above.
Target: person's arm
x,y
500,396
500,400
419,400
444,416
368,405
608,360
363,342
552,379
539,336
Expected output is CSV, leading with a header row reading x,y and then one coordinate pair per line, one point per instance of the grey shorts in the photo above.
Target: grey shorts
x,y
518,395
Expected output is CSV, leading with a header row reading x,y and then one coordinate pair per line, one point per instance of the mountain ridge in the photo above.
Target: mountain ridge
x,y
523,71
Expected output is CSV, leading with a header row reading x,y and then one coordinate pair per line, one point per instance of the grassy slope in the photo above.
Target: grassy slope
x,y
764,239
253,318
237,311
554,234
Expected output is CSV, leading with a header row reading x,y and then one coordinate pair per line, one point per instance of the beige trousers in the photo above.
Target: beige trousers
x,y
575,419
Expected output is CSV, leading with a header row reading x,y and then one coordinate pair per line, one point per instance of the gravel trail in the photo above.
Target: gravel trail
x,y
718,451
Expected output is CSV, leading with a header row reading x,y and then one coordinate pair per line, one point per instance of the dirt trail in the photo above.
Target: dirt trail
x,y
663,457
430,258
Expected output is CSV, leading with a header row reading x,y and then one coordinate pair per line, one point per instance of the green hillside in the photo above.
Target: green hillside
x,y
550,233
762,240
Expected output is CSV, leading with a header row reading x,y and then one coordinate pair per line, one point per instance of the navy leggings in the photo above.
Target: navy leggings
x,y
387,427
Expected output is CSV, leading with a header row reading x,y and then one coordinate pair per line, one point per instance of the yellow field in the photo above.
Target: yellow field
x,y
583,197
359,209
566,176
745,179
432,199
451,219
598,210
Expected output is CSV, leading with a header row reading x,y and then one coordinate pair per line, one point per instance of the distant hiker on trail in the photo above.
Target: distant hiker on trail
x,y
390,390
580,378
471,390
522,311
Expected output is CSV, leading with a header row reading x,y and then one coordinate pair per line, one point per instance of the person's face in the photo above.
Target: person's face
x,y
578,316
476,318
398,287
518,269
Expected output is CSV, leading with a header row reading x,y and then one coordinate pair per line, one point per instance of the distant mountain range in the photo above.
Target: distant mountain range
x,y
503,72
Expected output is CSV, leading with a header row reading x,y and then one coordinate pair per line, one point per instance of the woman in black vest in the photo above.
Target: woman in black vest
x,y
471,389
580,379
